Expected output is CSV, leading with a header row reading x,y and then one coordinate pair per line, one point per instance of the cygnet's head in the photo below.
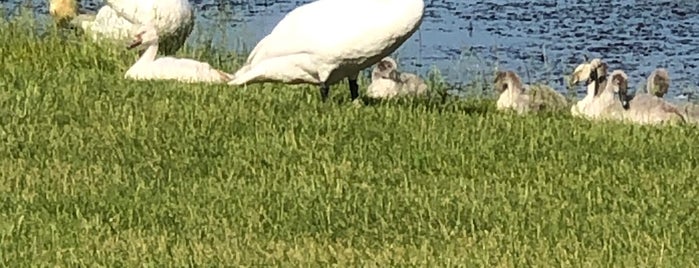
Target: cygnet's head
x,y
658,82
585,72
63,10
505,80
385,69
599,71
620,82
146,35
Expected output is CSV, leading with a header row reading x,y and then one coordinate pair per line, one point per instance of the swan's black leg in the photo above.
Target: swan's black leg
x,y
354,89
324,91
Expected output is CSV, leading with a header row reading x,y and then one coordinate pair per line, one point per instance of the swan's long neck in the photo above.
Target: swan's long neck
x,y
607,91
591,89
149,54
513,89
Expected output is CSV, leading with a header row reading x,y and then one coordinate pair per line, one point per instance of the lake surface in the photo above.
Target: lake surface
x,y
466,40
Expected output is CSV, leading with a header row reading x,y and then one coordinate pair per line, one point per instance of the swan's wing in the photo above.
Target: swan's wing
x,y
107,23
691,109
328,27
413,84
166,15
649,104
128,9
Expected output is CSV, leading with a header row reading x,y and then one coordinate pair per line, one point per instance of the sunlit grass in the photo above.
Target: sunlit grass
x,y
96,171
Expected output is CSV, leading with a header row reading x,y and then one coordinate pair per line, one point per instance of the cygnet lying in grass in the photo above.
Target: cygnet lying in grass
x,y
658,84
387,82
168,68
513,95
601,101
650,108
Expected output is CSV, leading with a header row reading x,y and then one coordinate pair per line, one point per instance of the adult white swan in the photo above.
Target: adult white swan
x,y
117,19
325,41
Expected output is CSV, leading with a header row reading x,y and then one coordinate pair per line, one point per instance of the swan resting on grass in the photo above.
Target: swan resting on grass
x,y
117,19
610,99
387,82
649,107
168,68
601,101
326,41
584,72
522,98
644,108
658,84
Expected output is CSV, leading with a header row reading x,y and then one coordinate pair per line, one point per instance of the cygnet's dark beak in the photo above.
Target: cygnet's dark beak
x,y
136,42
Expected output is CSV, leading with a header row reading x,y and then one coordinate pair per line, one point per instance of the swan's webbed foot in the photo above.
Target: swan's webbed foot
x,y
354,89
324,91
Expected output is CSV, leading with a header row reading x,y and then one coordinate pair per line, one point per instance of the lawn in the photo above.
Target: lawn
x,y
99,171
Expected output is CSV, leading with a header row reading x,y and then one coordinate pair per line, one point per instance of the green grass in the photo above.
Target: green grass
x,y
99,171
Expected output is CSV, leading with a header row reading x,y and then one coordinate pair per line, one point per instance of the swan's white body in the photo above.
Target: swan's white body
x,y
601,101
325,41
117,20
580,108
105,24
387,82
168,68
582,73
606,105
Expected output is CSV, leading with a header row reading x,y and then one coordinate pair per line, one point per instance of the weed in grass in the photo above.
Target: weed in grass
x,y
96,170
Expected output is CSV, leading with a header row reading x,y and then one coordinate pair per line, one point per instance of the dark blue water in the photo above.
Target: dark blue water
x,y
467,40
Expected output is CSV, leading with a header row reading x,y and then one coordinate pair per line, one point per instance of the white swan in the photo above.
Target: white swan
x,y
388,82
117,19
602,101
524,98
325,41
584,72
168,68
